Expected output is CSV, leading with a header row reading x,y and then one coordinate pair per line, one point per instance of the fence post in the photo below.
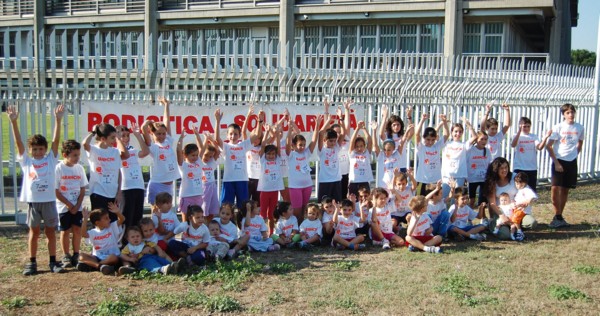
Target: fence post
x,y
595,116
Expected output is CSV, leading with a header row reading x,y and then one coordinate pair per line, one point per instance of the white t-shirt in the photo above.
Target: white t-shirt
x,y
344,158
523,195
326,218
208,170
464,215
69,181
402,203
434,210
404,154
299,170
384,216
270,179
131,171
478,161
454,160
386,166
509,188
283,158
253,162
105,165
105,242
235,161
494,144
345,226
329,165
284,227
311,228
360,167
164,161
566,136
153,239
357,213
191,179
193,236
507,210
429,162
38,178
169,221
257,226
525,156
229,230
422,225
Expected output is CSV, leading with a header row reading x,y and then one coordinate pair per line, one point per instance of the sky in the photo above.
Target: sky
x,y
585,35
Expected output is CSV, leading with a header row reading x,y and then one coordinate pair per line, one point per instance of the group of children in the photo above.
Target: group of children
x,y
258,168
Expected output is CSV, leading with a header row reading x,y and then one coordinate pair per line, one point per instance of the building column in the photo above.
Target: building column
x,y
151,39
453,28
286,38
560,34
39,56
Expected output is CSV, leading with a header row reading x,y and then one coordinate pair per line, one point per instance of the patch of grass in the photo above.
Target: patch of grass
x,y
563,292
149,276
349,304
117,306
282,268
174,301
15,302
275,299
346,264
222,304
583,269
466,292
231,273
318,303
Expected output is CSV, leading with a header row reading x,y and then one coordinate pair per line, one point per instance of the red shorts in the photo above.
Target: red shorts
x,y
387,236
423,239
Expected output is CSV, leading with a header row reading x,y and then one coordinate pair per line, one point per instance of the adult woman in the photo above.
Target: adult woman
x,y
498,180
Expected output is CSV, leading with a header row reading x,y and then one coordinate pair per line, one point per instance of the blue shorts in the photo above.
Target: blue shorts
x,y
465,228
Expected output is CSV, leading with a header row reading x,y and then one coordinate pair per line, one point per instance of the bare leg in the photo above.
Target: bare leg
x,y
64,241
51,236
34,235
76,238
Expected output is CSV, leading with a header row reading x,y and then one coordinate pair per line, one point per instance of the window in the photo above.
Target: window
x,y
388,38
311,36
274,39
243,41
430,35
330,38
408,38
368,37
472,38
348,38
483,38
493,37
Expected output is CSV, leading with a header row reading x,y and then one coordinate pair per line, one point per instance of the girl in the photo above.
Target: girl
x,y
362,205
478,160
393,129
191,189
360,160
346,223
403,191
436,210
208,165
300,181
253,155
142,254
105,162
195,237
388,160
381,220
327,208
132,180
163,170
330,176
255,227
271,180
230,230
286,230
311,229
454,157
428,153
419,232
525,155
490,126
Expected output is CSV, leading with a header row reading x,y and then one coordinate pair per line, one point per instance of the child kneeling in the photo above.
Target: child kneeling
x,y
145,255
419,232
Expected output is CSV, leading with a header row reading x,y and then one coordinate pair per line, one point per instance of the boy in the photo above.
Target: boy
x,y
419,232
563,147
490,126
70,190
461,216
330,175
217,245
104,238
523,199
513,218
346,224
38,187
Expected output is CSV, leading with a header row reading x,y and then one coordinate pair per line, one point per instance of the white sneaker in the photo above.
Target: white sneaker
x,y
377,243
386,244
485,222
496,231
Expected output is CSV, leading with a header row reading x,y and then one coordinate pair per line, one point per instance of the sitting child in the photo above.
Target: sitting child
x,y
462,215
311,229
217,245
382,221
254,226
346,223
230,231
327,208
436,209
419,232
150,235
286,229
164,217
194,239
142,254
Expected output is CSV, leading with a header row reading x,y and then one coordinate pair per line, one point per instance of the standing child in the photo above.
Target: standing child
x,y
191,189
454,157
330,176
419,233
230,231
429,162
346,223
105,239
394,129
253,154
311,229
360,160
436,209
462,215
286,229
478,160
208,164
163,170
300,181
164,218
218,247
526,145
194,239
271,180
490,126
38,189
382,223
142,254
388,160
70,190
254,226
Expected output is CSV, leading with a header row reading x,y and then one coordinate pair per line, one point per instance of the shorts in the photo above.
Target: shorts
x,y
210,200
567,178
155,188
188,201
363,230
39,211
253,190
67,220
465,228
300,197
388,236
473,191
517,216
423,239
98,201
400,219
330,189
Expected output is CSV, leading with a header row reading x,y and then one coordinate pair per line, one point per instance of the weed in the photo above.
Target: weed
x,y
222,304
15,302
563,292
318,303
586,269
149,276
275,299
468,294
174,301
282,268
347,264
349,304
112,307
231,273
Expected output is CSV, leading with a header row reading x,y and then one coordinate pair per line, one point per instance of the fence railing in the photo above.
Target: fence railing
x,y
76,7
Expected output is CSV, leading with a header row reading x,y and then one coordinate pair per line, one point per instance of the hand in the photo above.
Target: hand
x,y
218,115
439,184
286,114
146,250
549,133
409,129
373,125
113,208
326,103
13,113
135,128
384,110
425,116
261,115
352,197
59,112
361,125
410,172
452,183
348,103
163,101
505,106
182,136
558,167
119,198
339,113
250,109
465,121
409,112
443,118
488,107
156,211
85,212
191,250
196,130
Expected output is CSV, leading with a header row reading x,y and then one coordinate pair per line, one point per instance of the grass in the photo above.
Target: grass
x,y
563,292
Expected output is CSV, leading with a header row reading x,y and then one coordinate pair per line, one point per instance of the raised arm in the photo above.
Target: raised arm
x,y
13,116
349,102
265,141
424,117
326,125
166,113
199,141
471,130
444,120
542,144
86,143
488,108
114,208
437,189
506,123
218,117
124,153
515,140
374,141
59,113
144,150
361,125
246,122
315,137
179,148
384,118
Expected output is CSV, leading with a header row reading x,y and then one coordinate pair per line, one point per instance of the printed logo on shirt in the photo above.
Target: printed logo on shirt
x,y
99,170
63,188
71,177
103,236
106,159
190,175
42,165
125,164
162,157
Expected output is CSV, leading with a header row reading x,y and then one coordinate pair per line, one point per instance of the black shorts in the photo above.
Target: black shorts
x,y
473,191
330,189
401,219
363,230
67,220
567,178
101,202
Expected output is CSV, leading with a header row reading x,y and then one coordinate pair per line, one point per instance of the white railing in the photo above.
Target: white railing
x,y
76,7
20,8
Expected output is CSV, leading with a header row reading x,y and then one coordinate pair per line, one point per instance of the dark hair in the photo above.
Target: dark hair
x,y
347,203
193,209
270,148
457,125
429,132
243,210
491,175
189,149
360,139
567,106
491,122
156,125
331,134
214,222
525,120
364,188
69,145
388,126
521,177
146,221
162,198
458,192
123,128
104,130
379,191
97,214
298,138
133,228
235,127
37,140
281,208
326,199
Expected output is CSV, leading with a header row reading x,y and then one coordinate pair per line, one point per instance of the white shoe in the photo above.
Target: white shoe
x,y
485,222
386,245
377,243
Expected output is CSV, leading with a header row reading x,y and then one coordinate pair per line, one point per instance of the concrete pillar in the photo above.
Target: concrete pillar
x,y
151,39
560,34
453,28
286,33
39,65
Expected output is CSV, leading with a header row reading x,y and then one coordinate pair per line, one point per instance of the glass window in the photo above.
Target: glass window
x,y
243,40
429,38
1,44
408,38
298,39
493,37
274,39
330,38
472,38
311,37
348,38
388,38
368,37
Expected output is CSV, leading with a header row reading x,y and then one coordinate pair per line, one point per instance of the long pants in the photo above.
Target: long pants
x,y
152,263
177,247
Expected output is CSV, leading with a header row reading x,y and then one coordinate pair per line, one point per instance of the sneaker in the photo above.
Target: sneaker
x,y
438,250
30,268
485,222
67,261
170,269
275,247
480,237
180,264
556,223
519,236
412,248
107,270
56,267
377,243
496,231
74,260
82,267
386,245
291,245
483,236
360,247
340,247
125,270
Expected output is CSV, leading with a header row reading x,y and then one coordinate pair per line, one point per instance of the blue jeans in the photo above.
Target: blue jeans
x,y
178,247
441,223
152,263
235,191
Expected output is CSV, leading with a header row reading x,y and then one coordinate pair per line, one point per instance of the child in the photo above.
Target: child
x,y
490,126
141,253
419,232
381,220
271,180
105,164
393,129
194,239
254,226
208,164
508,210
526,145
478,160
436,209
150,235
230,231
341,130
191,189
163,170
311,229
330,176
523,199
218,247
328,209
461,216
346,223
165,220
132,180
360,160
286,230
104,238
70,190
362,205
388,160
428,153
454,157
403,192
38,187
253,154
300,181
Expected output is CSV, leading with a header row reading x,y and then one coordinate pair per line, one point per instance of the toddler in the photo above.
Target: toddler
x,y
419,232
286,229
254,226
142,254
345,224
311,229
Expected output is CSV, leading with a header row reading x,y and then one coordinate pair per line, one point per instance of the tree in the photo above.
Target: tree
x,y
583,57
